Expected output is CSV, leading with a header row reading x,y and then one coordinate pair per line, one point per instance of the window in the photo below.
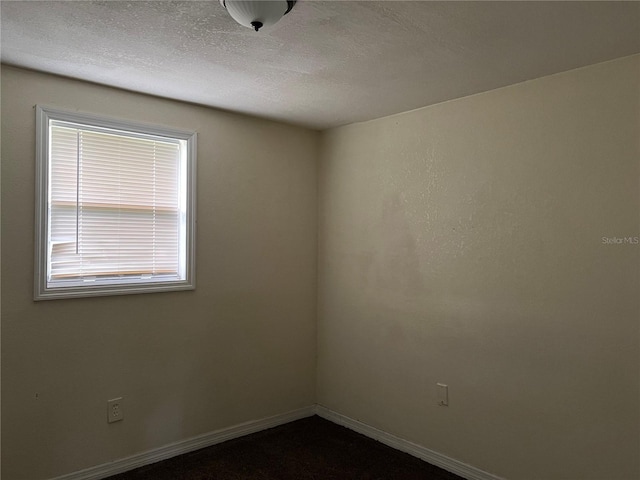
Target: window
x,y
115,206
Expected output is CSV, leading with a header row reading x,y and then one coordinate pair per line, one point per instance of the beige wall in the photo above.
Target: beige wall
x,y
240,347
462,243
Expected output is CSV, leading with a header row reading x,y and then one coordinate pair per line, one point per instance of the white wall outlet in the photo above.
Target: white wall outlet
x,y
115,413
443,394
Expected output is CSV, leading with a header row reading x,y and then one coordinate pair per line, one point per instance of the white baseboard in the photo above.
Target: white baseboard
x,y
201,441
185,446
434,458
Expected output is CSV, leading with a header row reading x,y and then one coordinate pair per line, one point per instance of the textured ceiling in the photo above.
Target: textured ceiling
x,y
326,63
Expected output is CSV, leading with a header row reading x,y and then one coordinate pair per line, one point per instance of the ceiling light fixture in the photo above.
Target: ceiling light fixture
x,y
257,13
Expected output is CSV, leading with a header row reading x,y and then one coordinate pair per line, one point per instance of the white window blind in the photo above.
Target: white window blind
x,y
116,208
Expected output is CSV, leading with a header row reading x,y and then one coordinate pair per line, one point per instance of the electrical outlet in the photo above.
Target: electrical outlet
x,y
443,394
115,413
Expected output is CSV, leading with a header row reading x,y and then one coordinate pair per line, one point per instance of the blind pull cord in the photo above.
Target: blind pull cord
x,y
78,133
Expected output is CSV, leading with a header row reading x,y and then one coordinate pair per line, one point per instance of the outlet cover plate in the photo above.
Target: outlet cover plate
x,y
115,412
443,394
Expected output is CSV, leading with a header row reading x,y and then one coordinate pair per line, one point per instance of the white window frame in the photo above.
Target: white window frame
x,y
43,291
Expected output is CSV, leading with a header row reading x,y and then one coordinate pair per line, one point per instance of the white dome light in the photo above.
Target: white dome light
x,y
257,13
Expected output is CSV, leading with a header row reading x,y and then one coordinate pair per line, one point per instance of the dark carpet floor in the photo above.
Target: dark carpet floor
x,y
307,449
